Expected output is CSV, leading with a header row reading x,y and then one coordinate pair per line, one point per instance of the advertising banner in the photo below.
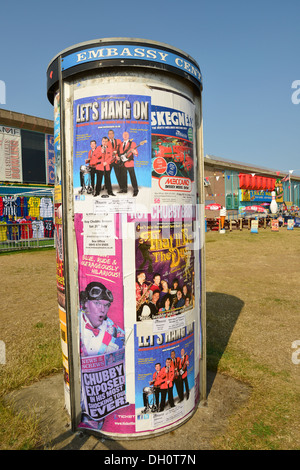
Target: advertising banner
x,y
10,154
255,195
50,159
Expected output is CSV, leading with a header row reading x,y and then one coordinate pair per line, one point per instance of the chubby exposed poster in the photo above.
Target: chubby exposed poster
x,y
103,388
164,377
112,152
101,320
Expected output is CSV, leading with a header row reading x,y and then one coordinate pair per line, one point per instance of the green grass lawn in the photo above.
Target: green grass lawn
x,y
253,310
252,283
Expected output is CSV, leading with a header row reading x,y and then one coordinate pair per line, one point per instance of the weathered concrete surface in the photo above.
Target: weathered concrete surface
x,y
46,400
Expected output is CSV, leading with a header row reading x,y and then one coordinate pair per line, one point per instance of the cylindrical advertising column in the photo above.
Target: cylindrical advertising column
x,y
129,231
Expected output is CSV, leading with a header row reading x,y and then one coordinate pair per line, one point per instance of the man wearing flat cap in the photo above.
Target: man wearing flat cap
x,y
98,333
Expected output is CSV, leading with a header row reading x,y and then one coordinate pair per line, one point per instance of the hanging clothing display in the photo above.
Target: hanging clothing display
x,y
3,231
46,207
34,206
21,206
13,230
37,229
48,228
25,217
26,228
9,205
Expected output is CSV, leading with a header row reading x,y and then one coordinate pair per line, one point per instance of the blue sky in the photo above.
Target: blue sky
x,y
248,53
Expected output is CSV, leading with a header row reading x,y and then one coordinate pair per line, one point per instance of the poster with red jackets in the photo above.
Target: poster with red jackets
x,y
112,152
165,383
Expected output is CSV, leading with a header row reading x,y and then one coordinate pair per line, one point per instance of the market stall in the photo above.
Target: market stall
x,y
26,219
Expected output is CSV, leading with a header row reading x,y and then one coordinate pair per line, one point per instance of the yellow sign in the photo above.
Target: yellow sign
x,y
255,195
245,195
57,194
279,191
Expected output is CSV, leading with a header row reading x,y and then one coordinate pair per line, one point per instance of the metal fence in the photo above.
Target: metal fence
x,y
22,236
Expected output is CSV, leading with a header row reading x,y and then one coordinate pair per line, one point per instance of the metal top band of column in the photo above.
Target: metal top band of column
x,y
121,52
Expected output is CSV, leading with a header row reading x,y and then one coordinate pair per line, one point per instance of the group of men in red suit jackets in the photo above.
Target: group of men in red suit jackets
x,y
112,154
163,380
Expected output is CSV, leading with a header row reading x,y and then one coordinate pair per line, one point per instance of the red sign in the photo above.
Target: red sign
x,y
254,209
213,207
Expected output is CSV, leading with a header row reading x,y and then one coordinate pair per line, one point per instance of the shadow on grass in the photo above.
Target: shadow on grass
x,y
79,440
222,312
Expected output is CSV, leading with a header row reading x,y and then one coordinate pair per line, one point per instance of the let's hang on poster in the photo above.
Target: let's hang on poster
x,y
95,116
155,353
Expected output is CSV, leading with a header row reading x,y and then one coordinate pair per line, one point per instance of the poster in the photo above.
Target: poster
x,y
101,319
50,159
65,355
164,264
59,244
112,152
254,226
10,154
60,276
173,161
164,377
274,225
103,385
56,143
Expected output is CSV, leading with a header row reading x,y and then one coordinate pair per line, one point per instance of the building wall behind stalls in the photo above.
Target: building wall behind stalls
x,y
26,149
232,191
33,157
223,186
214,188
296,195
291,192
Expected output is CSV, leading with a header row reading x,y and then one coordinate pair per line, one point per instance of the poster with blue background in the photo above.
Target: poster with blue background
x,y
95,116
162,349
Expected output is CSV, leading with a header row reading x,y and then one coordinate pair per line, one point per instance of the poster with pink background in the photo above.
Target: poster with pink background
x,y
103,398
